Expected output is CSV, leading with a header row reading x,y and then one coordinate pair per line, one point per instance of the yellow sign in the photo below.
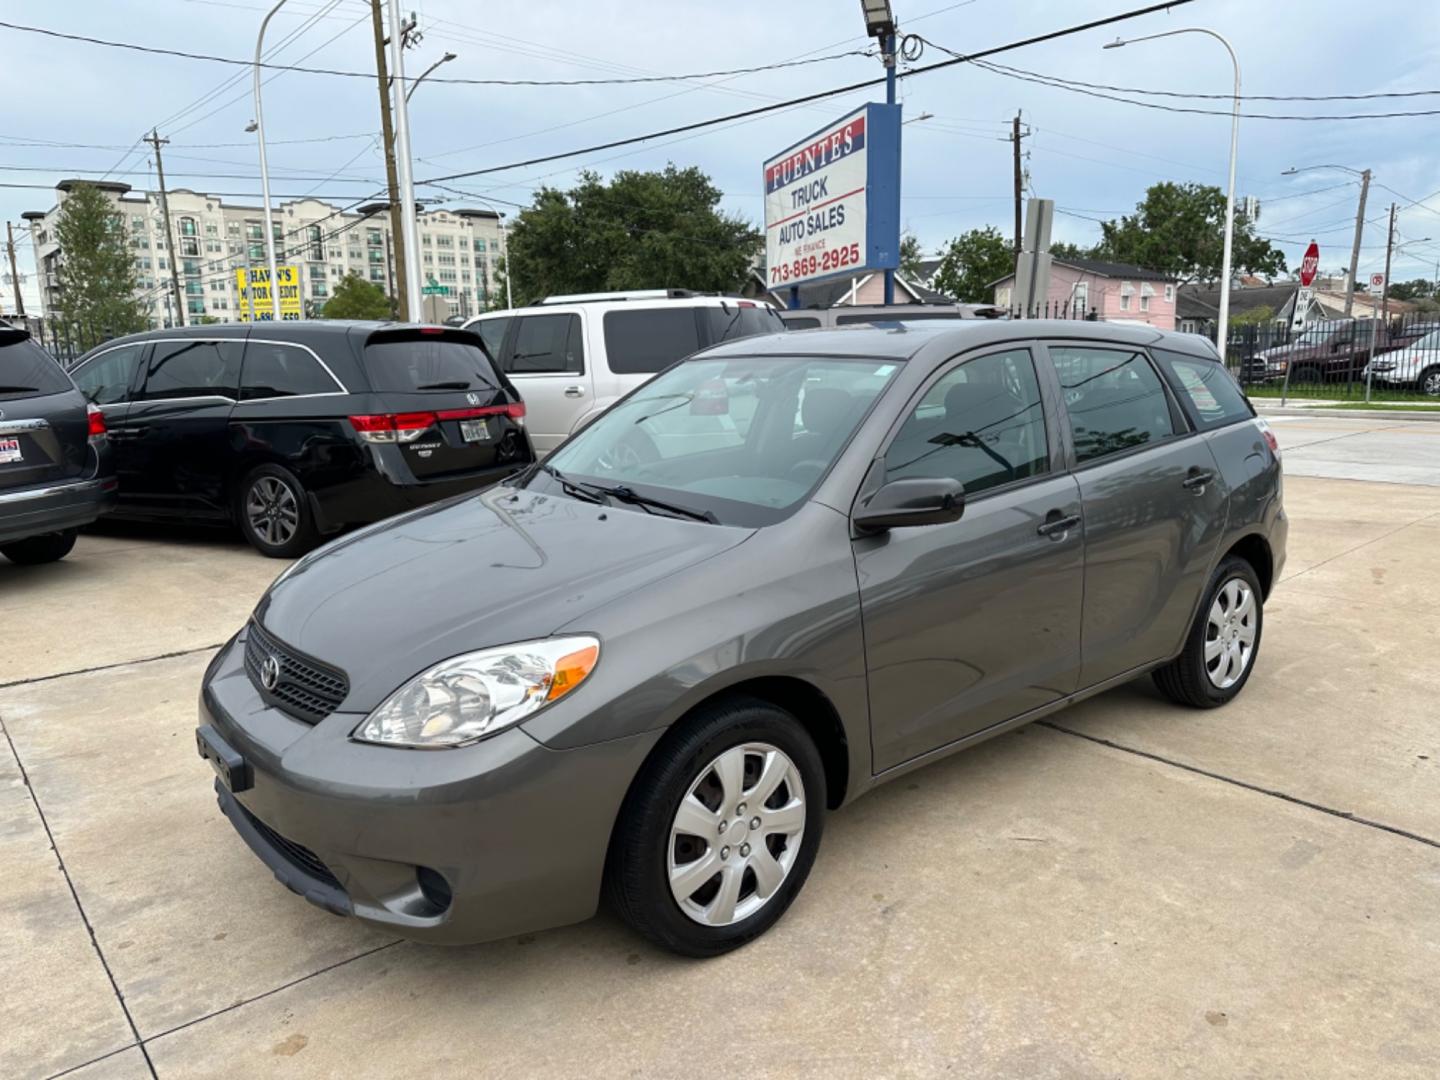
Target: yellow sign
x,y
255,302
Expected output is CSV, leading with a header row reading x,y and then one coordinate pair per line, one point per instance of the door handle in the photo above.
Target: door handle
x,y
574,391
1197,480
1057,527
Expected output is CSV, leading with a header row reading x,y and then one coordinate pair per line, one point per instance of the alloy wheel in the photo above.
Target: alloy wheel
x,y
1430,383
272,510
736,834
1230,633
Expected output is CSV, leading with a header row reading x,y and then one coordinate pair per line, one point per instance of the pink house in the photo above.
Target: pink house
x,y
1112,292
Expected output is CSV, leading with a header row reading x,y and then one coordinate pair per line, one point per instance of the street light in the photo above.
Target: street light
x,y
443,60
1223,330
1359,224
879,23
265,171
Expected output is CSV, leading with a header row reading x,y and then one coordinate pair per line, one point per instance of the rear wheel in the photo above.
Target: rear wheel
x,y
275,514
719,830
1220,651
34,550
1305,374
1429,382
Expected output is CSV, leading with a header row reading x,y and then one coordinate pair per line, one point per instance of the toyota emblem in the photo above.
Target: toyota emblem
x,y
269,673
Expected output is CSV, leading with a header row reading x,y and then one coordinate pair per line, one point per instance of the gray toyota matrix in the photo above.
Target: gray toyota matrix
x,y
786,570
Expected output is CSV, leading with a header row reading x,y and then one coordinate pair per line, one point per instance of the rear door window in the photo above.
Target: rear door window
x,y
26,370
547,345
273,369
185,368
426,362
648,340
1208,391
1114,398
492,333
107,379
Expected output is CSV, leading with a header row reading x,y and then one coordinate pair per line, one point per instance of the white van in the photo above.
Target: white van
x,y
572,357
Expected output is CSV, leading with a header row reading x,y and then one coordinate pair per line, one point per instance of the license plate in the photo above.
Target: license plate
x,y
10,451
475,430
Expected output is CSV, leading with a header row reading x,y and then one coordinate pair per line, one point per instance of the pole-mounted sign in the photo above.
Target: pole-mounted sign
x,y
832,201
1310,264
1305,295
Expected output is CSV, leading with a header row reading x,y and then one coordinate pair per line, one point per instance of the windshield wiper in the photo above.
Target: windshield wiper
x,y
645,502
570,487
454,384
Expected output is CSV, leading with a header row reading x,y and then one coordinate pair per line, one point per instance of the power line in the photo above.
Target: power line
x,y
210,58
822,94
31,142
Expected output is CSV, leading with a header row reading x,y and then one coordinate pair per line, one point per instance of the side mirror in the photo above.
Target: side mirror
x,y
922,500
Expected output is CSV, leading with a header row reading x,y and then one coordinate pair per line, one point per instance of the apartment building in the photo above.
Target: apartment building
x,y
213,238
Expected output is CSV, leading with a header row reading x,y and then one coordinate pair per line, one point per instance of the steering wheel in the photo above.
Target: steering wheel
x,y
632,452
806,471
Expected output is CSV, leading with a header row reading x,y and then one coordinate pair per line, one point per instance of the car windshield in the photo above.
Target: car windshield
x,y
744,439
1316,335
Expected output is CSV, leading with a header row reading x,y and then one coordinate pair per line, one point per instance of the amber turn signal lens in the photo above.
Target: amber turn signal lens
x,y
570,671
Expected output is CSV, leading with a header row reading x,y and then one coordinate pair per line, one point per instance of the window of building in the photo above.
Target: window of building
x,y
316,241
187,226
137,223
444,241
211,229
1114,398
428,258
479,243
464,242
232,228
373,238
376,274
425,239
1169,294
162,264
317,288
1081,302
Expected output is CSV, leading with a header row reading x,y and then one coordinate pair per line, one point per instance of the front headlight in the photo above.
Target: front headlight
x,y
469,697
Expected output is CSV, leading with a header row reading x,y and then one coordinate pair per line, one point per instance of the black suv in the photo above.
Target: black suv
x,y
55,467
295,430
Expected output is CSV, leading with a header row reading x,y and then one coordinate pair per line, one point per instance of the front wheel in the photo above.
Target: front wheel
x,y
1429,382
1220,651
719,830
275,513
34,550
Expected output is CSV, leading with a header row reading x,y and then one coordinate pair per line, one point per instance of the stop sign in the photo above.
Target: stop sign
x,y
1309,264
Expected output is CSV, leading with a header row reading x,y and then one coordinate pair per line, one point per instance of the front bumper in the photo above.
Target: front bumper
x,y
445,846
69,505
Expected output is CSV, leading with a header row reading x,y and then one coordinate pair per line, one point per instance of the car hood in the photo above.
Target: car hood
x,y
507,565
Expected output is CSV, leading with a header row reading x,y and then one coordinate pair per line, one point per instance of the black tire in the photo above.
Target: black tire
x,y
1306,374
637,873
1186,680
1429,382
34,550
279,491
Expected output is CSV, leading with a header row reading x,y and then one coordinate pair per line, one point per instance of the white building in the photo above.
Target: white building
x,y
458,249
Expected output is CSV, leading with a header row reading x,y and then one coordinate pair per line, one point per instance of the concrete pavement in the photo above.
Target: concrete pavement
x,y
1342,446
1128,890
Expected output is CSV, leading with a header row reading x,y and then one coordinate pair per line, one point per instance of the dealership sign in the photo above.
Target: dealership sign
x,y
832,201
255,302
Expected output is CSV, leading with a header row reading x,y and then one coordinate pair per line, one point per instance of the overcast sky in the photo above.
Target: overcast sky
x,y
1094,157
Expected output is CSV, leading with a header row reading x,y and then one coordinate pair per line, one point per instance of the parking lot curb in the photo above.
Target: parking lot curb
x,y
1356,414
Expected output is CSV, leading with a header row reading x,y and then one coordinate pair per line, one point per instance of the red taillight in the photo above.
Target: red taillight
x,y
432,330
412,421
1272,441
393,427
515,411
364,424
96,420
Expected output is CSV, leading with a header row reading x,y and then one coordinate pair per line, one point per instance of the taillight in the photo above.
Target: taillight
x,y
96,420
393,427
1272,441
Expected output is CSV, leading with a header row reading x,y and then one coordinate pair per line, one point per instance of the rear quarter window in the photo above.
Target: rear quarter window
x,y
746,320
410,363
648,340
273,369
1209,392
26,370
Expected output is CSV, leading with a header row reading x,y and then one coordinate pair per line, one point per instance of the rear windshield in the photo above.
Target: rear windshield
x,y
26,370
425,363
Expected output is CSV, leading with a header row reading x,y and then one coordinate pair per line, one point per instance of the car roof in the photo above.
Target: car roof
x,y
297,330
901,339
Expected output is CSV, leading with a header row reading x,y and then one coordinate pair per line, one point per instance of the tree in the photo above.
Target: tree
x,y
1178,230
495,299
1256,316
642,230
1062,250
1418,289
972,263
910,258
97,271
356,298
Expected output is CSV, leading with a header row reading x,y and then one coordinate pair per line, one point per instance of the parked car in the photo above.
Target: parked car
x,y
787,570
296,430
575,356
815,318
1416,364
56,472
1329,351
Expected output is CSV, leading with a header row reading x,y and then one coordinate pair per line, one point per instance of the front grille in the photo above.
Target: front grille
x,y
306,689
297,855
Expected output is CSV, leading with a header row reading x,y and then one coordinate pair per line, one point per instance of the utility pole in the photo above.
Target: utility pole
x,y
398,288
1381,309
156,142
1355,249
1015,137
14,273
409,226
